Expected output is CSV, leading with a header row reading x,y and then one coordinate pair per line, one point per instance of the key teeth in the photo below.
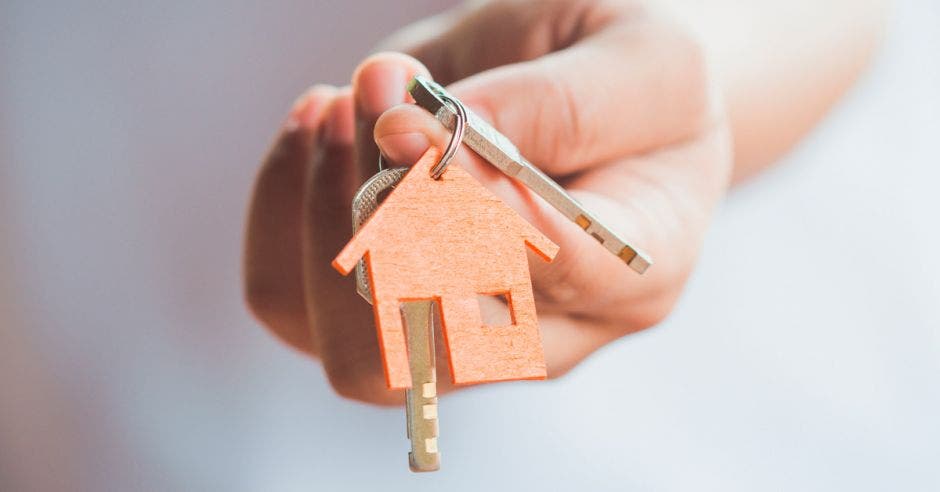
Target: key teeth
x,y
636,260
582,221
496,148
429,390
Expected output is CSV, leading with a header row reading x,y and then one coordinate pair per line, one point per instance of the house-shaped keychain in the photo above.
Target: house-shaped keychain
x,y
451,240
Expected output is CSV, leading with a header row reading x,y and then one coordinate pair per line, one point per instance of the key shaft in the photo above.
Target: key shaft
x,y
418,320
493,146
421,399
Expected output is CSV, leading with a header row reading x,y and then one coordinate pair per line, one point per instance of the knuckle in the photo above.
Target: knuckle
x,y
360,384
566,96
559,132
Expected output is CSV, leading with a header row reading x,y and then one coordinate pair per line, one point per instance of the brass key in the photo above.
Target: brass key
x,y
418,318
499,151
421,399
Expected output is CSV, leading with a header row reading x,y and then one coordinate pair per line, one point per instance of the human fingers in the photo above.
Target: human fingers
x,y
659,201
666,198
632,87
378,84
573,84
339,323
477,36
646,191
273,281
299,217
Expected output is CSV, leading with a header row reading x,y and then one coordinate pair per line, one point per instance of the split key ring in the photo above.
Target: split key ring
x,y
455,140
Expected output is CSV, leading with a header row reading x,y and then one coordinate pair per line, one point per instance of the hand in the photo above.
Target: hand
x,y
611,99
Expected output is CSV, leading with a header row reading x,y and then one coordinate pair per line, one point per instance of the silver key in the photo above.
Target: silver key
x,y
418,318
499,151
365,203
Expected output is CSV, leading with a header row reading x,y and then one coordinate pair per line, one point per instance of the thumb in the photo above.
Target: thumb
x,y
404,133
634,86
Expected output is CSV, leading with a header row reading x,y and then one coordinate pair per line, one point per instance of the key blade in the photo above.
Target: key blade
x,y
421,399
499,151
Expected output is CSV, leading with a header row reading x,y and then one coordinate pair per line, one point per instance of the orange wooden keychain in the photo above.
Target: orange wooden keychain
x,y
449,240
442,239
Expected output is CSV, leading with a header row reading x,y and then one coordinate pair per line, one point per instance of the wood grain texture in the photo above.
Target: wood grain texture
x,y
449,240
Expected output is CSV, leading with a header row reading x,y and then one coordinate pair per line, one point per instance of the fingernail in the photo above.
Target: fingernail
x,y
380,86
403,148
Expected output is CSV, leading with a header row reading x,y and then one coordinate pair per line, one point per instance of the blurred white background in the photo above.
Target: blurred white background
x,y
805,354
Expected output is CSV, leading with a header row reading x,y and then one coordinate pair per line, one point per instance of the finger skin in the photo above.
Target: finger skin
x,y
558,109
641,198
378,84
572,84
628,89
273,280
299,218
472,38
342,323
665,198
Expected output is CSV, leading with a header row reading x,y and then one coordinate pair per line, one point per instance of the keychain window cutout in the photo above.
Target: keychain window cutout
x,y
450,239
496,310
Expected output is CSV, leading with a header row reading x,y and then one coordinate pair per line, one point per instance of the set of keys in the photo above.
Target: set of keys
x,y
414,271
418,316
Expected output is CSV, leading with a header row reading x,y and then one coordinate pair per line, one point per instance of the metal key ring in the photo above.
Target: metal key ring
x,y
456,139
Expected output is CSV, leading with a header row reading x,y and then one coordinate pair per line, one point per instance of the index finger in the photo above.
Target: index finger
x,y
623,82
627,90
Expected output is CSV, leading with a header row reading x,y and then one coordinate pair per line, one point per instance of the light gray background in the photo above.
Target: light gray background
x,y
805,354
